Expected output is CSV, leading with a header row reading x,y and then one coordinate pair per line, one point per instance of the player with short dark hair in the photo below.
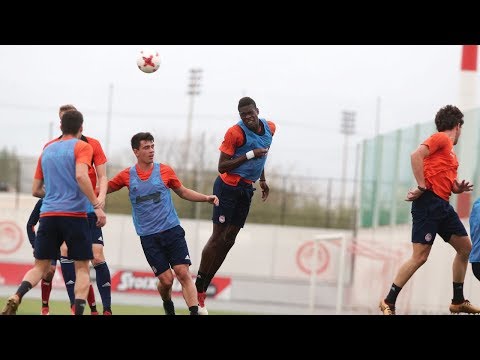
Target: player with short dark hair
x,y
62,180
98,177
243,154
156,220
434,166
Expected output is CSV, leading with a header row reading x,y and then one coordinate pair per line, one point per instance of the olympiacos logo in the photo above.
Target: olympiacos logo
x,y
305,255
11,237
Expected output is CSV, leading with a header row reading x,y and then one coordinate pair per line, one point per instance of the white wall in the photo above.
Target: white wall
x,y
282,254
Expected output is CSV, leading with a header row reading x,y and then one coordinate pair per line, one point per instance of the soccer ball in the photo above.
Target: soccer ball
x,y
148,60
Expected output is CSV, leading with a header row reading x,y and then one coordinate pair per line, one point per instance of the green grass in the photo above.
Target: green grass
x,y
31,306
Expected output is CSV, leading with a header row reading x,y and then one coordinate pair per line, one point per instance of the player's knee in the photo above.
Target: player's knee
x,y
165,280
98,256
164,283
49,275
182,272
97,260
466,249
421,259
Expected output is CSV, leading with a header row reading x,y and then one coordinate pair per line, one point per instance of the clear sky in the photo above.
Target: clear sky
x,y
303,89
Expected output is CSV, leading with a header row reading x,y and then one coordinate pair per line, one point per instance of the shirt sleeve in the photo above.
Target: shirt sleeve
x,y
120,180
38,171
436,142
169,177
233,138
83,153
99,157
272,127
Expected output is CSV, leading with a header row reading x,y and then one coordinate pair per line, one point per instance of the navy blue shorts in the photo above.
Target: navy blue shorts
x,y
431,215
54,260
96,234
53,230
166,249
234,204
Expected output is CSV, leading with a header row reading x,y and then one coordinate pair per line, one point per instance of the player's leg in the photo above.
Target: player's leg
x,y
221,217
77,237
452,230
419,256
227,219
102,271
427,214
31,278
462,246
68,272
179,259
229,237
164,287
212,253
82,284
189,291
156,258
91,300
46,288
46,249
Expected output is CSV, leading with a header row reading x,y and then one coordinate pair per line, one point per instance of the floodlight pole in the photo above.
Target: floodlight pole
x,y
347,128
194,89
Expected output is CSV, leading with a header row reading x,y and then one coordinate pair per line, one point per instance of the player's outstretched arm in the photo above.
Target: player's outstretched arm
x,y
192,195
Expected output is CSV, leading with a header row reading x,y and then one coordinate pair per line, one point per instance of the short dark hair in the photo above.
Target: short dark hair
x,y
448,117
66,107
246,101
72,121
141,136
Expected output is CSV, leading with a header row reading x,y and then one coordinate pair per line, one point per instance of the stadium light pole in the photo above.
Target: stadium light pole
x,y
347,128
193,89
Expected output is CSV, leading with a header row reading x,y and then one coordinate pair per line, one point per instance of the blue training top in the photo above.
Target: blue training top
x,y
62,193
252,169
152,204
475,232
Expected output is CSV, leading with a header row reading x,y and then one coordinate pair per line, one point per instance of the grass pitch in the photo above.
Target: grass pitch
x,y
32,306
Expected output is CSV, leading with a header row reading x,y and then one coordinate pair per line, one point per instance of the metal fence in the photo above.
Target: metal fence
x,y
387,173
293,200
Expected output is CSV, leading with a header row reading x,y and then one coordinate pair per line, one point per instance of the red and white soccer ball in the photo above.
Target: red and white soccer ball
x,y
148,60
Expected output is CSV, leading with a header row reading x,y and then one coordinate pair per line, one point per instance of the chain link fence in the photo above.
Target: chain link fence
x,y
293,200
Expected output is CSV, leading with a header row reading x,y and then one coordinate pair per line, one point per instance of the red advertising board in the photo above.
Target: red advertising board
x,y
123,281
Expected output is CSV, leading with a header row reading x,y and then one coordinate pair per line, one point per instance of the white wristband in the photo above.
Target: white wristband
x,y
250,155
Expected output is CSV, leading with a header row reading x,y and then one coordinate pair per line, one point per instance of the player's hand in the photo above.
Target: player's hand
x,y
101,217
101,201
265,190
213,199
461,187
260,152
413,194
